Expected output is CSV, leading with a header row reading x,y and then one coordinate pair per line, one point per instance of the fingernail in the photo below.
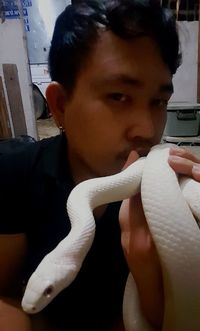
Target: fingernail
x,y
173,158
177,149
196,168
174,147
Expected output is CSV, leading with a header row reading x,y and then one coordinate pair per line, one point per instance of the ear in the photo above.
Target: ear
x,y
56,98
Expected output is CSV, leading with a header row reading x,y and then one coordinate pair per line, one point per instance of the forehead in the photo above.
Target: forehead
x,y
139,58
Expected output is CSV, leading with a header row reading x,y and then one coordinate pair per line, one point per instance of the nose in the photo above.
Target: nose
x,y
141,123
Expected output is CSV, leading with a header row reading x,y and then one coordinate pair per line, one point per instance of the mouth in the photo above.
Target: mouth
x,y
143,152
138,151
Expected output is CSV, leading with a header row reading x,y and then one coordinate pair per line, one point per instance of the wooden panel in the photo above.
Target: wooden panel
x,y
5,130
15,99
198,67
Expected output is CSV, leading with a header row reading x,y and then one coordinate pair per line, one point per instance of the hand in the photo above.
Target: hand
x,y
184,162
142,257
137,243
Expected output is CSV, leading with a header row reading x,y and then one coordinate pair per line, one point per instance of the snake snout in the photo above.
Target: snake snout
x,y
29,308
48,291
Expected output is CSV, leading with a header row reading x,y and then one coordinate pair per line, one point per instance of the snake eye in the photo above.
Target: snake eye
x,y
48,291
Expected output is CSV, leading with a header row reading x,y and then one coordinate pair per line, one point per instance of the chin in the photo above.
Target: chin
x,y
115,170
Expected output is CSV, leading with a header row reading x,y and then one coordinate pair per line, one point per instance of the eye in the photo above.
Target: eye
x,y
118,97
161,103
48,291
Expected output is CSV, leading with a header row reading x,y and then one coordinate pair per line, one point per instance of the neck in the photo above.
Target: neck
x,y
81,172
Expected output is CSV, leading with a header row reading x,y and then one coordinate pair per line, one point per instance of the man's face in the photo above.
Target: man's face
x,y
118,105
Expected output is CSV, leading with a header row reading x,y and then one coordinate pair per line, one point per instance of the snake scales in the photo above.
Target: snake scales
x,y
172,209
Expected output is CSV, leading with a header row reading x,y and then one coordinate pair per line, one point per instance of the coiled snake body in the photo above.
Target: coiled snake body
x,y
172,210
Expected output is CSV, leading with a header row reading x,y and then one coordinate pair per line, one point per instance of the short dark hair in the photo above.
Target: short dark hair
x,y
77,29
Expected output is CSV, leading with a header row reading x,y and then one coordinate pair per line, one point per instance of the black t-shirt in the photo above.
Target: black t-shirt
x,y
34,185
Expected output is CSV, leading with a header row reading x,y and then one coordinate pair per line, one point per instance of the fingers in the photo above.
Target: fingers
x,y
141,236
133,156
184,162
136,239
142,259
183,152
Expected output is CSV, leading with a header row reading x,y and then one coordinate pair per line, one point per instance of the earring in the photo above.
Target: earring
x,y
61,130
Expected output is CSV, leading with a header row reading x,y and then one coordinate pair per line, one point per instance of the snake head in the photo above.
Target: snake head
x,y
37,295
48,280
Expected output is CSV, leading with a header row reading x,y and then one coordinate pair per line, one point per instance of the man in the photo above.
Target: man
x,y
111,64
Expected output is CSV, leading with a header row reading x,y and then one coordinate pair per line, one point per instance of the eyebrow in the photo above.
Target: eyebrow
x,y
130,81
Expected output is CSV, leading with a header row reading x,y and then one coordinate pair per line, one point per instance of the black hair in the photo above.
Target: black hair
x,y
77,30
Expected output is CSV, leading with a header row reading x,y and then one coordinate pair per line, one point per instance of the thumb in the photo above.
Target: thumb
x,y
133,156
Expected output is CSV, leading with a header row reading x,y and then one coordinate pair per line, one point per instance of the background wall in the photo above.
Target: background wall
x,y
41,17
185,80
13,50
15,42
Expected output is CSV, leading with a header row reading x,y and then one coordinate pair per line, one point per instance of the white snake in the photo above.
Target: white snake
x,y
173,225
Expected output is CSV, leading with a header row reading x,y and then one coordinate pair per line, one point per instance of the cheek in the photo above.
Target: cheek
x,y
93,123
87,127
159,123
164,119
75,121
161,118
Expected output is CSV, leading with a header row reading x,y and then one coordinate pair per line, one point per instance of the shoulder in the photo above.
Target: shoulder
x,y
23,178
18,156
25,165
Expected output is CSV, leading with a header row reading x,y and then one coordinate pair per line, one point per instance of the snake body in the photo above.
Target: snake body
x,y
171,207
